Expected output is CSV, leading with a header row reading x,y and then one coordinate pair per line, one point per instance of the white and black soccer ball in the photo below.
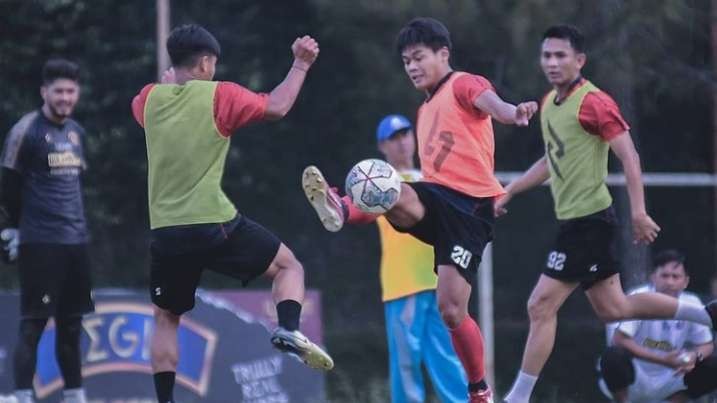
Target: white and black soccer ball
x,y
374,186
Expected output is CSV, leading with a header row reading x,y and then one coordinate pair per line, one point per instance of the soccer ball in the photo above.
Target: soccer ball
x,y
373,186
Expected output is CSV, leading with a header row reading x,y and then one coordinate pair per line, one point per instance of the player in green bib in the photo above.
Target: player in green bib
x,y
580,125
188,122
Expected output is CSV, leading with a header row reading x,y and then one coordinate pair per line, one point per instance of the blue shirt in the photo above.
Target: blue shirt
x,y
49,157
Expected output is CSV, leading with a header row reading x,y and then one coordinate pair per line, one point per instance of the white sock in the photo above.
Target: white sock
x,y
74,395
692,313
24,396
522,388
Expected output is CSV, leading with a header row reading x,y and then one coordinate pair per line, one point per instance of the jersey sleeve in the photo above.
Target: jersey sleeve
x,y
697,333
16,145
629,328
599,115
543,100
236,106
468,88
139,102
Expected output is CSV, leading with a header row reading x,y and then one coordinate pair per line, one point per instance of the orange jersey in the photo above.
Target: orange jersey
x,y
455,139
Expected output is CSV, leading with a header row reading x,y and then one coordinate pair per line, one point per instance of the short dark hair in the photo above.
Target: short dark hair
x,y
187,42
426,31
59,68
568,32
668,256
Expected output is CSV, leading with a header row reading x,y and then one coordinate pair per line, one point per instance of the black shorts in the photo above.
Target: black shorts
x,y
458,226
616,368
240,248
584,251
54,280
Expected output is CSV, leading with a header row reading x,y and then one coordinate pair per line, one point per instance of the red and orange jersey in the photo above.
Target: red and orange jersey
x,y
234,106
455,139
599,114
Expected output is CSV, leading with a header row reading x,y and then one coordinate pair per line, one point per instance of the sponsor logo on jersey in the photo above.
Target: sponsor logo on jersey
x,y
63,160
658,344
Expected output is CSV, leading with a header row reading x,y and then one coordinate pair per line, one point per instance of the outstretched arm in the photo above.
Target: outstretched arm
x,y
644,228
536,175
282,98
505,112
680,360
623,340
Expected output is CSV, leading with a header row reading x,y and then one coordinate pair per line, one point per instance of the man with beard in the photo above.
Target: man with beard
x,y
46,231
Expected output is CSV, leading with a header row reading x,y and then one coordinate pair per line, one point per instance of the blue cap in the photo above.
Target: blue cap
x,y
390,125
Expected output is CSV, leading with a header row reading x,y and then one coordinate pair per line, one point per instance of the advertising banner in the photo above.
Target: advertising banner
x,y
224,348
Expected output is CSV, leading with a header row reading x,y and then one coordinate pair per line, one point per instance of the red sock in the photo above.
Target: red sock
x,y
356,216
468,343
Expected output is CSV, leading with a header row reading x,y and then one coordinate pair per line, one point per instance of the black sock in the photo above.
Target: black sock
x,y
67,350
25,355
478,386
164,385
289,312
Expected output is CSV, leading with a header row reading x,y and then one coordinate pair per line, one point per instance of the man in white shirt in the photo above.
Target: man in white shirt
x,y
660,360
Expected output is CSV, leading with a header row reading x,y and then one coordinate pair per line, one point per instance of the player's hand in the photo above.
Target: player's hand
x,y
168,77
500,203
683,361
305,50
11,244
524,111
644,229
